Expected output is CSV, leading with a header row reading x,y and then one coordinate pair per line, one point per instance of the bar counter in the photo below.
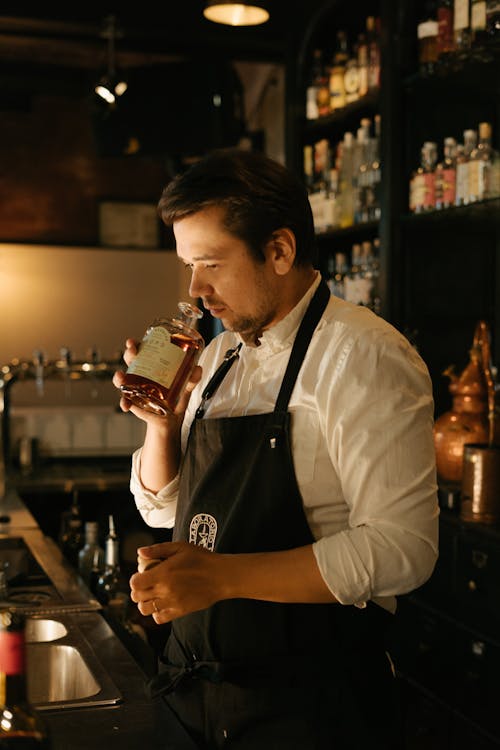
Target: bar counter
x,y
126,723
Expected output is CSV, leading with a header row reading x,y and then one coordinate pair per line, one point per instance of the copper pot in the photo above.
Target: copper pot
x,y
467,421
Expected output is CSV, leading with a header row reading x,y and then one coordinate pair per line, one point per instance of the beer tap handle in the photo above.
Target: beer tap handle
x,y
39,364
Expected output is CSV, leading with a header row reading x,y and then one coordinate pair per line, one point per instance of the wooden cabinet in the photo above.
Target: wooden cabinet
x,y
447,641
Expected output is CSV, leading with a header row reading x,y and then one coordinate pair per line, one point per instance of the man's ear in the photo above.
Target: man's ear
x,y
281,250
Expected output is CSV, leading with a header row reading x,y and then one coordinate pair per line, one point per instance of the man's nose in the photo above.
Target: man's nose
x,y
199,287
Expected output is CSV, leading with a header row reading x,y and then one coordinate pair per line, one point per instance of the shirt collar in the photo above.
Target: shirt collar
x,y
281,335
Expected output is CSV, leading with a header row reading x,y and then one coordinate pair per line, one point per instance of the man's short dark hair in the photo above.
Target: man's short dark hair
x,y
258,194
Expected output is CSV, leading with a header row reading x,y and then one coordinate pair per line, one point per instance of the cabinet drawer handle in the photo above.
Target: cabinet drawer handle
x,y
472,586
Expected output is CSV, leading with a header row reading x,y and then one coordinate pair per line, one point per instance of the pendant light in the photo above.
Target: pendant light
x,y
235,14
111,85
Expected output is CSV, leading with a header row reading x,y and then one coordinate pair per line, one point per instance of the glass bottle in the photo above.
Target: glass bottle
x,y
480,164
461,27
478,24
170,348
373,41
312,87
109,587
71,538
337,71
21,726
427,35
463,160
446,175
445,40
91,556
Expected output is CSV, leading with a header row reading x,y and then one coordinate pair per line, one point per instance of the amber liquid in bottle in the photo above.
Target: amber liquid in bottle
x,y
169,351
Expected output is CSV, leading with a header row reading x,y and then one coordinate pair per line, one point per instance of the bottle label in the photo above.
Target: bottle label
x,y
449,185
158,359
461,15
478,15
12,653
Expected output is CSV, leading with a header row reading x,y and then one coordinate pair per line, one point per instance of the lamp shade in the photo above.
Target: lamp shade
x,y
235,14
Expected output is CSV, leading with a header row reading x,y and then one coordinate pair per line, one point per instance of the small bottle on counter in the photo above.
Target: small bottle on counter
x,y
91,556
20,724
109,586
71,538
169,351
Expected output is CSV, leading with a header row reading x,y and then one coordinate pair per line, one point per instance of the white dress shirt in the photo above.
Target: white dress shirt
x,y
362,445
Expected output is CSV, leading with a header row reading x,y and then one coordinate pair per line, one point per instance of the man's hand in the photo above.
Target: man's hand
x,y
187,579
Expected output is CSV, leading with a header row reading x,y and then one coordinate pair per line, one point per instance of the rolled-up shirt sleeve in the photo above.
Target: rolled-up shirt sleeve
x,y
379,426
156,508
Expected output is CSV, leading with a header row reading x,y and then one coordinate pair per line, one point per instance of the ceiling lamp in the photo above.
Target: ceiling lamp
x,y
111,85
235,14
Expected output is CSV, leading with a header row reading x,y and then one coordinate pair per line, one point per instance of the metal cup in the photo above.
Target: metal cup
x,y
480,495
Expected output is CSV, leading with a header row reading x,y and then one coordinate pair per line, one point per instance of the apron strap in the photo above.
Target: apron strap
x,y
217,379
303,338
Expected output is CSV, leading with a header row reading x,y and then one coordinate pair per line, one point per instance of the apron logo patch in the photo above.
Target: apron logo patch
x,y
203,530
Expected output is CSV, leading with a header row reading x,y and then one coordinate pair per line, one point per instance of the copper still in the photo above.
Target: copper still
x,y
467,421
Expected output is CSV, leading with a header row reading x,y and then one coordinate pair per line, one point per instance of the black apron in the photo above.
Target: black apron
x,y
254,674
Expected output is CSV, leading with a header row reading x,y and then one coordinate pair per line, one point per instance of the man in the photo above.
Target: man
x,y
302,486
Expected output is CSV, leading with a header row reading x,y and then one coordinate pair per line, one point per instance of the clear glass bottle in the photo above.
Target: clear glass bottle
x,y
461,27
91,556
21,726
109,587
170,348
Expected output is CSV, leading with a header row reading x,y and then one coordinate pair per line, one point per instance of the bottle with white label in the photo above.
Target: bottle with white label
x,y
169,350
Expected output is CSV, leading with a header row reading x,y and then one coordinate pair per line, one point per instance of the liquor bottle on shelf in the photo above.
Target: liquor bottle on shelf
x,y
373,42
463,159
308,166
427,35
352,292
312,88
445,40
110,585
362,50
361,166
478,25
346,197
323,91
374,176
479,165
170,348
423,184
91,556
461,28
337,71
20,723
352,77
71,538
446,175
341,269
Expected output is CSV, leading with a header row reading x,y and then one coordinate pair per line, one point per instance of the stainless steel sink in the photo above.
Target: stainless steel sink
x,y
58,674
65,674
43,631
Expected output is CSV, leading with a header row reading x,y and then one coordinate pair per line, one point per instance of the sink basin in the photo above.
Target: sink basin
x,y
62,668
58,673
43,631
